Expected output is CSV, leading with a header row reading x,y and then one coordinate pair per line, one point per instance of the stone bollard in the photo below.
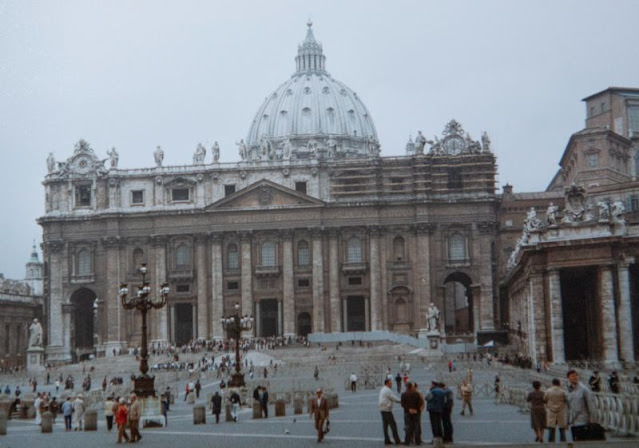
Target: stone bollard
x,y
91,420
3,423
257,410
47,422
190,399
199,415
298,406
280,408
227,413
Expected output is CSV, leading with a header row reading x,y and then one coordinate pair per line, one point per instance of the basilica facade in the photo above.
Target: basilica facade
x,y
311,229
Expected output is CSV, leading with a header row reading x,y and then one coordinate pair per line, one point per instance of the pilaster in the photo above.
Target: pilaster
x,y
556,318
375,278
333,282
216,303
626,336
202,290
288,290
318,282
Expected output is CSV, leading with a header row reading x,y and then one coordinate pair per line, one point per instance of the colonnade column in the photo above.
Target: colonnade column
x,y
318,282
333,281
288,290
608,318
217,288
202,290
246,275
159,317
111,310
485,233
626,337
556,318
375,293
423,288
55,324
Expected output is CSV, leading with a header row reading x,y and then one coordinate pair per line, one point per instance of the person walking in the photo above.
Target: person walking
x,y
398,381
353,379
537,411
78,413
386,399
580,403
121,417
108,412
216,405
466,391
135,412
67,412
235,405
447,422
263,399
198,388
412,404
556,401
319,411
36,405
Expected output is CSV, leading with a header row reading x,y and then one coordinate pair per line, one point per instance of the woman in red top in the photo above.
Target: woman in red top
x,y
121,415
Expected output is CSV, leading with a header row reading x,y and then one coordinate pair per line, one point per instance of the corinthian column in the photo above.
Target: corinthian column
x,y
246,274
288,291
608,319
375,291
202,291
333,282
625,314
318,283
217,288
556,318
159,317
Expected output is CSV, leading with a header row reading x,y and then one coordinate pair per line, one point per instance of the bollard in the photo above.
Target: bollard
x,y
280,408
190,399
3,423
47,422
91,420
298,406
257,410
227,413
199,415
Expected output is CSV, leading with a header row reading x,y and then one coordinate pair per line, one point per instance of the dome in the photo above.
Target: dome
x,y
311,115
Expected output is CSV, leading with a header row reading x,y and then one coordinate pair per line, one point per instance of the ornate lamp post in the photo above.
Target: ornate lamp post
x,y
143,301
234,325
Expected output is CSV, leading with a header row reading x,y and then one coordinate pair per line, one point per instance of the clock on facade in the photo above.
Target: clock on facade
x,y
454,144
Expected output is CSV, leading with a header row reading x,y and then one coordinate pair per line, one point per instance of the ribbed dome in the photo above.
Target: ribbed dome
x,y
311,115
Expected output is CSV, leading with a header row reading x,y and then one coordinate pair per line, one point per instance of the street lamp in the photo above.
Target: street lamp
x,y
234,325
143,301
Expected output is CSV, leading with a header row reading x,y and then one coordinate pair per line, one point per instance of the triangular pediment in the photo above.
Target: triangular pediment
x,y
267,195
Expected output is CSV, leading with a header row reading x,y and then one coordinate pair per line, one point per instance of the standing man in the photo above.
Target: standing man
x,y
135,412
398,381
613,382
216,405
580,403
386,399
78,413
198,388
319,410
435,407
447,423
412,404
595,382
467,395
67,412
353,379
235,405
263,397
555,399
108,412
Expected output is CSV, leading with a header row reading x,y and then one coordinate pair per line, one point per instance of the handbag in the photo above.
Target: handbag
x,y
591,431
327,426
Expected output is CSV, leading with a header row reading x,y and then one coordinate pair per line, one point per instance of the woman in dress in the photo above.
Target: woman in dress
x,y
537,411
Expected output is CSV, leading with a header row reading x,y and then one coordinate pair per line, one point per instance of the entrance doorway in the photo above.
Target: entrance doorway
x,y
458,305
581,323
303,324
183,323
268,317
355,313
83,322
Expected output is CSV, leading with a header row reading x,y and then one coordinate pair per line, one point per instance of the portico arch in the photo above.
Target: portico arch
x,y
458,305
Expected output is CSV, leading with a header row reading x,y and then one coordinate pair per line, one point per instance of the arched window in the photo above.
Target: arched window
x,y
138,257
398,248
354,250
457,247
183,257
268,254
232,257
303,254
84,262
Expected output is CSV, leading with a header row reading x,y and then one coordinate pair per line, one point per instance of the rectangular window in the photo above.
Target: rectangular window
x,y
301,187
179,194
454,178
232,286
354,280
303,283
137,197
633,121
183,288
83,195
229,189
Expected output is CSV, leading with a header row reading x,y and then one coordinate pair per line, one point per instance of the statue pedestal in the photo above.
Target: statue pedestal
x,y
433,347
35,359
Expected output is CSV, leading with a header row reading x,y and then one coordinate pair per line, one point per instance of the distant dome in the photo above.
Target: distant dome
x,y
312,115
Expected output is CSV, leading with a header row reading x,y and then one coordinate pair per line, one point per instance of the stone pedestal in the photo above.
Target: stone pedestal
x,y
199,415
91,420
35,359
47,422
257,410
433,345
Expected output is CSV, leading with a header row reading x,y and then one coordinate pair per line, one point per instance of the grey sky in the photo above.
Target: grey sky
x,y
137,74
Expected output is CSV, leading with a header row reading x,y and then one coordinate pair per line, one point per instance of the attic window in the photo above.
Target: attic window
x,y
83,195
301,187
179,194
229,189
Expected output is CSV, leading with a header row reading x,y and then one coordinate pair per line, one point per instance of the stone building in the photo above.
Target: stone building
x,y
571,283
20,303
312,230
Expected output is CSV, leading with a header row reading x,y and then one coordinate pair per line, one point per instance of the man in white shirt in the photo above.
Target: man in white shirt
x,y
386,399
353,379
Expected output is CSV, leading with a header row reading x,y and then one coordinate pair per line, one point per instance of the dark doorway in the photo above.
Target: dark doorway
x,y
303,324
268,317
183,323
458,305
581,323
83,322
355,313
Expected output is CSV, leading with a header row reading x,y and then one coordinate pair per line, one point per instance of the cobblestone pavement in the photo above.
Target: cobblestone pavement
x,y
356,423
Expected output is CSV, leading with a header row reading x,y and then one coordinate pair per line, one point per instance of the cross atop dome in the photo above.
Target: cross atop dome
x,y
310,57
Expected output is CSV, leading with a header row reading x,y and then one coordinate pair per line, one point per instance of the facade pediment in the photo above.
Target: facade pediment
x,y
265,194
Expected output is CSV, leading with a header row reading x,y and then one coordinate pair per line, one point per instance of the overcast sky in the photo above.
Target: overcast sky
x,y
137,74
